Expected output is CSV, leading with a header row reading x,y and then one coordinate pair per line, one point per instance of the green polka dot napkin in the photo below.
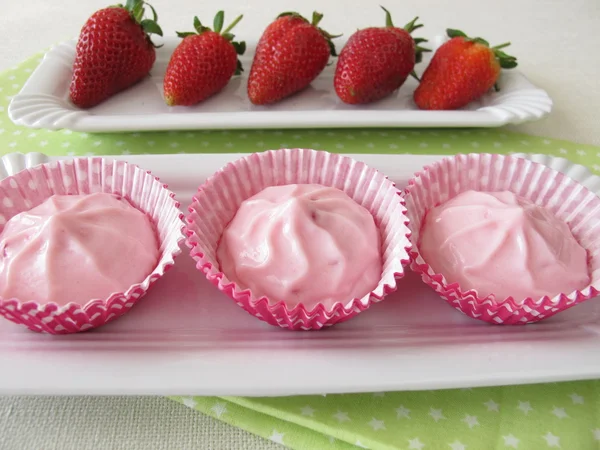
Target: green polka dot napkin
x,y
545,416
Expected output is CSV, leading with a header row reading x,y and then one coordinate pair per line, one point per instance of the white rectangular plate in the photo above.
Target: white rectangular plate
x,y
201,342
43,103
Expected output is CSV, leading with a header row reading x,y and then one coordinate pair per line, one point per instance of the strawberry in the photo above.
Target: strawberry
x,y
113,52
290,54
461,70
203,63
376,61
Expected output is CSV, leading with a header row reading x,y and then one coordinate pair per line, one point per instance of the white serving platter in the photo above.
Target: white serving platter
x,y
43,103
187,338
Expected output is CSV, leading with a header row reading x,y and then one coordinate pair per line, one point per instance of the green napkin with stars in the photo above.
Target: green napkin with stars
x,y
543,416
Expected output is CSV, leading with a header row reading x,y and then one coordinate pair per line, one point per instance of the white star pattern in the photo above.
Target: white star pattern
x,y
446,145
17,132
402,412
581,152
596,434
307,411
340,145
43,143
415,444
90,154
151,143
341,416
576,399
260,144
229,144
457,445
377,424
174,144
436,414
559,412
277,437
525,407
370,145
524,142
475,144
66,144
219,409
471,421
511,441
552,440
360,444
119,143
316,144
547,142
497,144
126,152
378,394
393,146
596,167
562,151
423,145
189,402
12,144
191,135
1,130
491,405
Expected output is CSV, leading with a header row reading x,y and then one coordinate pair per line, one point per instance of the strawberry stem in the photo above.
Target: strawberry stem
x,y
498,47
316,18
137,11
240,47
233,24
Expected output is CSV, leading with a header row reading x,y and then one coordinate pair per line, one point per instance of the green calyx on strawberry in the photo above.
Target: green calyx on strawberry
x,y
240,47
409,28
203,63
137,11
506,61
316,19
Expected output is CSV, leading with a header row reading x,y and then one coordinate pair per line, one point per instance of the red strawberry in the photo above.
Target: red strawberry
x,y
461,70
290,54
114,51
376,61
203,63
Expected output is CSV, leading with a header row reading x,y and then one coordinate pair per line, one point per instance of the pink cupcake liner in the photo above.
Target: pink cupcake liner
x,y
567,199
32,186
217,201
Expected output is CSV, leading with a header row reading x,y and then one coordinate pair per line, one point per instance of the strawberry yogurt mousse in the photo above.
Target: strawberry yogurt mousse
x,y
302,244
498,243
76,248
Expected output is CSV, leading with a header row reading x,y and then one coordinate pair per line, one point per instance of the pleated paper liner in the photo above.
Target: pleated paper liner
x,y
567,199
217,201
32,186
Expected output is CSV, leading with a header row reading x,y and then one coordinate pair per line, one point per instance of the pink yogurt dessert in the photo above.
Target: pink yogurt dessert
x,y
75,248
499,243
302,244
